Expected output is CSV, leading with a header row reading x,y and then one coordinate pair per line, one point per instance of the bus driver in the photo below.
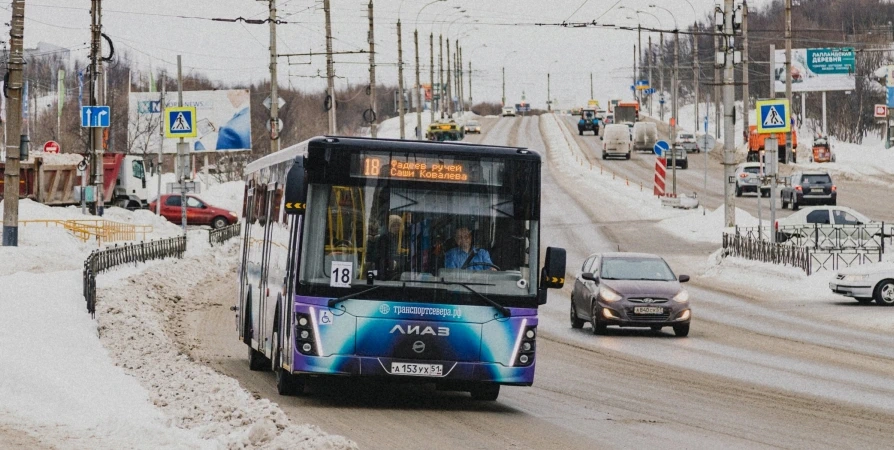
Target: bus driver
x,y
464,256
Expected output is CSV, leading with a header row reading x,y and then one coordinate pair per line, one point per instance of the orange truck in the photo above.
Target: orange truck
x,y
627,112
756,144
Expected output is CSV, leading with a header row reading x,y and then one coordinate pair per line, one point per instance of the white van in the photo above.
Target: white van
x,y
645,135
616,141
508,111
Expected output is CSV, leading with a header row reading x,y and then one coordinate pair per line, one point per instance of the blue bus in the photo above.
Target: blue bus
x,y
408,260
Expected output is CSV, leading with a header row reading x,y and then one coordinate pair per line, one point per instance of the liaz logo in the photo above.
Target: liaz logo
x,y
417,329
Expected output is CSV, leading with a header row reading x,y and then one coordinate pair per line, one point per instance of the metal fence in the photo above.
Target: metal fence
x,y
759,250
102,260
221,235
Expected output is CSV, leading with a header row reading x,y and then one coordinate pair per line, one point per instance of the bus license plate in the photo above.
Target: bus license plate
x,y
422,370
648,310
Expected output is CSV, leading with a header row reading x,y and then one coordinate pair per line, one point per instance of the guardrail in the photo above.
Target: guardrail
x,y
765,251
101,230
222,235
102,260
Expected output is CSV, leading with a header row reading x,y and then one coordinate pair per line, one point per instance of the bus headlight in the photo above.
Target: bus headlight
x,y
525,345
305,335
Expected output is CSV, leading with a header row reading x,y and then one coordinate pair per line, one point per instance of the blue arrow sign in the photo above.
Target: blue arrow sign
x,y
660,147
95,116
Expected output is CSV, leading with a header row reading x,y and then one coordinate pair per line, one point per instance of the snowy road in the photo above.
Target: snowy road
x,y
757,371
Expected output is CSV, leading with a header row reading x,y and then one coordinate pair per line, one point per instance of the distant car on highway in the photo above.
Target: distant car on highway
x,y
609,118
508,111
473,126
616,141
807,188
680,157
629,290
588,122
198,211
687,142
748,179
866,282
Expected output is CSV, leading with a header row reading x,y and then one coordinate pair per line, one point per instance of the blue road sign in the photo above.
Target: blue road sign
x,y
660,147
706,124
890,102
649,91
95,116
661,99
180,122
642,82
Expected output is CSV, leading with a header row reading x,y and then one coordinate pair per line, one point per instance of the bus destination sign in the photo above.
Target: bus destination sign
x,y
417,167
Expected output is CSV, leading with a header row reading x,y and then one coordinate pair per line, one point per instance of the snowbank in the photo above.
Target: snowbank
x,y
867,162
708,227
227,195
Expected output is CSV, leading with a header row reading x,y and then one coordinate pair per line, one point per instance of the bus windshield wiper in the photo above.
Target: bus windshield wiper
x,y
334,301
503,310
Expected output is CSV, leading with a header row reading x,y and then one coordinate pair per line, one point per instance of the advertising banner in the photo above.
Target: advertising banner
x,y
817,69
222,122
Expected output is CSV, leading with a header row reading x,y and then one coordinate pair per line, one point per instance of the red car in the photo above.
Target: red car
x,y
198,212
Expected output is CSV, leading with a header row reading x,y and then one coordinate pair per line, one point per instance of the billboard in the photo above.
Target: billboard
x,y
223,121
817,69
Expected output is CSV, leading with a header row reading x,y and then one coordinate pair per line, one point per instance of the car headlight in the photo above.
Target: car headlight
x,y
682,296
608,294
855,277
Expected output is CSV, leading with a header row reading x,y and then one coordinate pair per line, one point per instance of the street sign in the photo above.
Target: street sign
x,y
705,142
661,147
642,85
267,102
661,99
189,187
881,111
51,147
773,116
180,122
649,91
95,116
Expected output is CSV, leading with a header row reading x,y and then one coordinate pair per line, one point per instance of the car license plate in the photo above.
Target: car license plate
x,y
648,310
422,370
817,191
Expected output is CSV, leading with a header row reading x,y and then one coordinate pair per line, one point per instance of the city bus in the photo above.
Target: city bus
x,y
354,263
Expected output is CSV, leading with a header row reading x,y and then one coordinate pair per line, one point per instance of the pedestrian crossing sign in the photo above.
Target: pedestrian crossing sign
x,y
773,116
180,122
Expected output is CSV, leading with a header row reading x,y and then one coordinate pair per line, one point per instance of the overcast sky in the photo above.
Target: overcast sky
x,y
492,33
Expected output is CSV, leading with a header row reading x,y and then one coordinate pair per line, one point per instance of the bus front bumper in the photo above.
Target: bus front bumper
x,y
413,370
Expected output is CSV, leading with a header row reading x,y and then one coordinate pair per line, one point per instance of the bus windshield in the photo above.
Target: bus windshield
x,y
409,235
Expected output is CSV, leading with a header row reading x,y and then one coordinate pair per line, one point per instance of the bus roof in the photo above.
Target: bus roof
x,y
398,145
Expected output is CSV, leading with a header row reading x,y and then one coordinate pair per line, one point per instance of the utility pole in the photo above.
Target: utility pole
x,y
591,85
788,75
449,83
330,72
549,103
661,80
418,88
161,140
651,63
442,90
97,99
471,103
717,95
460,76
373,127
274,85
400,80
182,152
745,90
639,48
431,73
695,76
675,87
729,138
504,86
14,126
634,73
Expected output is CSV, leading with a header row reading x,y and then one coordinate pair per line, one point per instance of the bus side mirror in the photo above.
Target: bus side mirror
x,y
553,274
296,188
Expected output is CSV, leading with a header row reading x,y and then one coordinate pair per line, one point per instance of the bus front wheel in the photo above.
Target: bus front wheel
x,y
485,392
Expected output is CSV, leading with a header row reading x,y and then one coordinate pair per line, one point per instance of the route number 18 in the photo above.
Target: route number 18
x,y
341,274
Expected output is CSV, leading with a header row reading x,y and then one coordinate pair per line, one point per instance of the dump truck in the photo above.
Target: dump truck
x,y
54,179
627,112
756,144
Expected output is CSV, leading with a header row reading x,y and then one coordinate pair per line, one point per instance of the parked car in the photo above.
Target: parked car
x,y
645,135
748,179
616,141
198,211
679,156
629,290
473,126
802,223
687,142
809,188
866,282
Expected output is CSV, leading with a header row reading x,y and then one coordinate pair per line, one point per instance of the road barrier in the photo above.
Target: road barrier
x,y
764,251
221,235
99,229
102,260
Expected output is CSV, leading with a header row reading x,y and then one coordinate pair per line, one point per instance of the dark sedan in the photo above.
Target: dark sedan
x,y
629,290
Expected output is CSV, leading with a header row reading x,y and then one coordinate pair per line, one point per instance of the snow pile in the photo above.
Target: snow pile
x,y
626,201
782,281
136,319
869,161
708,227
227,195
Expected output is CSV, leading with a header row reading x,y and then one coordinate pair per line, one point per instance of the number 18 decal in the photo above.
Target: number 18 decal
x,y
342,273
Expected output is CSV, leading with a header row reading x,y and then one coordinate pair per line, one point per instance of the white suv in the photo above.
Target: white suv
x,y
748,179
